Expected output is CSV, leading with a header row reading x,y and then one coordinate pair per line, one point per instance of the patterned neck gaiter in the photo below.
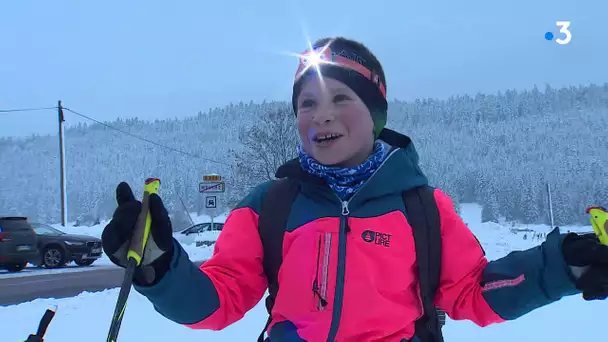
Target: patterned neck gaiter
x,y
344,181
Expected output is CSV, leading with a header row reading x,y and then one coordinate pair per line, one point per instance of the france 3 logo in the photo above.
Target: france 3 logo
x,y
564,28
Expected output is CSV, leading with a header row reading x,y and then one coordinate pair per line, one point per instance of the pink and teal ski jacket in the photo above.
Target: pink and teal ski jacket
x,y
368,293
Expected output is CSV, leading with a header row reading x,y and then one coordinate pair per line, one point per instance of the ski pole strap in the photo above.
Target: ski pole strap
x,y
272,221
423,217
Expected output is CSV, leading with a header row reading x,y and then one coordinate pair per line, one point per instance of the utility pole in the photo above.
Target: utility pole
x,y
550,206
185,208
64,208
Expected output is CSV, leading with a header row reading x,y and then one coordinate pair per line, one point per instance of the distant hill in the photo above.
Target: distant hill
x,y
500,150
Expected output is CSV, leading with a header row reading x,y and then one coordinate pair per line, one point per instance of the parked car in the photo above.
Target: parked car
x,y
18,243
200,234
59,248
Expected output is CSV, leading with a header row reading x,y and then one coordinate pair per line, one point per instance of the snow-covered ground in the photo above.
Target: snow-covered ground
x,y
86,317
96,230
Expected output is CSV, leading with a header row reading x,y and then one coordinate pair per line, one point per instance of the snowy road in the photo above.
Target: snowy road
x,y
57,285
62,283
35,271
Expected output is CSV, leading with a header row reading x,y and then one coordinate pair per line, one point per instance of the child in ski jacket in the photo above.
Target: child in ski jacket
x,y
349,268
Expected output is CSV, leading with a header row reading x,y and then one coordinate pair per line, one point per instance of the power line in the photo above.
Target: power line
x,y
25,109
143,139
116,129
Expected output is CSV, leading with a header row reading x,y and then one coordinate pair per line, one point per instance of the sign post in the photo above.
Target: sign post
x,y
211,185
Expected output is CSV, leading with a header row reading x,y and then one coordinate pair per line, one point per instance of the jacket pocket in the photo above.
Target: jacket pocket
x,y
320,283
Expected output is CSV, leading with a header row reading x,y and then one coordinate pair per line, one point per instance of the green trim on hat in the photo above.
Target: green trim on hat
x,y
379,119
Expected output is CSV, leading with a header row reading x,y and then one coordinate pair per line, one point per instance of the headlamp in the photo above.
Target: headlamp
x,y
317,57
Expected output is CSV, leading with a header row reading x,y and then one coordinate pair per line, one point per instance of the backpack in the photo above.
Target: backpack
x,y
423,216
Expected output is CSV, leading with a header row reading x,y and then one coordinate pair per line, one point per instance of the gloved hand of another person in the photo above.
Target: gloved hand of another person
x,y
117,235
588,259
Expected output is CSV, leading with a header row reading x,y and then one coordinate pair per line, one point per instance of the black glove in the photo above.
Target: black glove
x,y
586,251
117,235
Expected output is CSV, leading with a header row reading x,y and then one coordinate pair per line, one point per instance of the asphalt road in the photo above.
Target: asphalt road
x,y
15,290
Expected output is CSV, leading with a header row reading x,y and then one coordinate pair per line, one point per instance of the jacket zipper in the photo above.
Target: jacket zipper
x,y
325,270
339,290
340,273
320,288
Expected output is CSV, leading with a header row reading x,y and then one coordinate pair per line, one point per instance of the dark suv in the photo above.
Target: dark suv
x,y
18,243
59,248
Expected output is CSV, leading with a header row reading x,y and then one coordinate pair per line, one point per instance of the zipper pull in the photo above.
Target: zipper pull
x,y
345,211
315,290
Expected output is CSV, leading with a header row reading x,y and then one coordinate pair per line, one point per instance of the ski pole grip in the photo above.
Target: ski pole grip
x,y
144,221
604,234
599,222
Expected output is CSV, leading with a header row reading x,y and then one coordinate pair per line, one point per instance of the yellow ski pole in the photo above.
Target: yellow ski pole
x,y
134,256
599,222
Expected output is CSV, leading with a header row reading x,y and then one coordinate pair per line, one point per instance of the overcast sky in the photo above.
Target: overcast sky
x,y
159,59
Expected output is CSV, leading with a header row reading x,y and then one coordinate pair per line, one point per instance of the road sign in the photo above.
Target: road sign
x,y
211,202
212,187
212,178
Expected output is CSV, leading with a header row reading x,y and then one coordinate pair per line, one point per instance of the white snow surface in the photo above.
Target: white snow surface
x,y
86,317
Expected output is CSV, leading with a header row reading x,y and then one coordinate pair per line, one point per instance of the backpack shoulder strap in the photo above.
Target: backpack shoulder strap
x,y
272,221
423,216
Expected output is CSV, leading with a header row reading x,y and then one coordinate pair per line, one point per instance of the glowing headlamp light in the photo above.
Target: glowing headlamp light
x,y
313,59
323,55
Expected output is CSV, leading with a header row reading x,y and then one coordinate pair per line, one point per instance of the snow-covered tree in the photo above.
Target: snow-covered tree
x,y
499,150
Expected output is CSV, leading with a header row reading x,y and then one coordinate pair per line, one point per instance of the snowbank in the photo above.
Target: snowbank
x,y
498,239
195,253
96,230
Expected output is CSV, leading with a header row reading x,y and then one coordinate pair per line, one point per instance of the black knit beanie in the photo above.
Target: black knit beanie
x,y
354,65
